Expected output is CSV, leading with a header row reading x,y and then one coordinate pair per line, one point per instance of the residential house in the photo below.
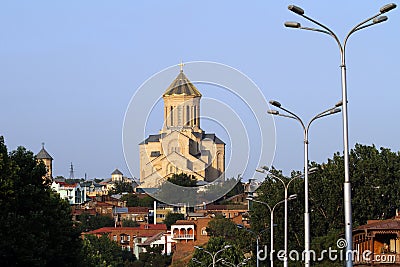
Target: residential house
x,y
377,243
129,237
73,193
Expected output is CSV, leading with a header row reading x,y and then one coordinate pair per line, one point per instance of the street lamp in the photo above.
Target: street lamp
x,y
286,187
376,19
271,210
306,127
213,255
257,238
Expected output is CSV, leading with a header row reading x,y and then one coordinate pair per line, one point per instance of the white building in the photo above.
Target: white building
x,y
73,193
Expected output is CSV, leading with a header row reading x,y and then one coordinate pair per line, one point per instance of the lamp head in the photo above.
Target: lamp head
x,y
292,24
339,104
294,196
335,110
312,170
228,246
198,247
260,170
249,198
275,103
273,112
297,10
379,19
387,8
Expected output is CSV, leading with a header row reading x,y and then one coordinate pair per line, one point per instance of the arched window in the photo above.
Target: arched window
x,y
204,231
187,115
171,115
194,115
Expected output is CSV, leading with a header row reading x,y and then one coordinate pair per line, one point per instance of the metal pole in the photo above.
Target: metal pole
x,y
285,259
213,258
258,236
306,202
271,256
347,184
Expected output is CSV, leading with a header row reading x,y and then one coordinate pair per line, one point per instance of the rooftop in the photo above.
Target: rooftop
x,y
43,154
182,86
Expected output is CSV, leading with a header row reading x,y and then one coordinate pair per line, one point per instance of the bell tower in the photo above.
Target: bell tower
x,y
181,105
45,157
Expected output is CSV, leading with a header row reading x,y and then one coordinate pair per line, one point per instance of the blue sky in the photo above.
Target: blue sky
x,y
69,69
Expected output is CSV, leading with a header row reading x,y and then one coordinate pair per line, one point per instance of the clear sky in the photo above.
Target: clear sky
x,y
68,70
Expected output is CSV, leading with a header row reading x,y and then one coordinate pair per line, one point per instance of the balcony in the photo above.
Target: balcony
x,y
177,236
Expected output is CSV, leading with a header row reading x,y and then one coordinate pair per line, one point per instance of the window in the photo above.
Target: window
x,y
155,153
171,115
179,115
187,115
204,231
194,115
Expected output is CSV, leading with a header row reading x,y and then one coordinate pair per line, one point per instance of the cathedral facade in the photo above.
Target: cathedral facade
x,y
181,146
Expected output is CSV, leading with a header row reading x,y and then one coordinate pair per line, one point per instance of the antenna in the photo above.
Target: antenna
x,y
71,172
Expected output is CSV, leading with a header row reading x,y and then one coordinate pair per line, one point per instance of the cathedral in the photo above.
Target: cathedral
x,y
181,146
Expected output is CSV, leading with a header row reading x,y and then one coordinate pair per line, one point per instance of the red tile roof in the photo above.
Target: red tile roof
x,y
184,222
390,224
64,184
142,227
138,209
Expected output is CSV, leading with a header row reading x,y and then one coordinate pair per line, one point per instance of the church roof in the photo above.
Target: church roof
x,y
43,154
182,86
151,138
211,136
202,136
118,172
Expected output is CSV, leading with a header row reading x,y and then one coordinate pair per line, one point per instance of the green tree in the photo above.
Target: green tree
x,y
101,251
222,227
171,218
146,201
129,223
36,225
90,222
373,172
132,200
179,188
152,257
231,254
183,179
121,187
237,189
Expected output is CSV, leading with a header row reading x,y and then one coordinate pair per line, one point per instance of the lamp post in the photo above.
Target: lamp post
x,y
377,18
213,255
286,187
257,239
271,210
306,127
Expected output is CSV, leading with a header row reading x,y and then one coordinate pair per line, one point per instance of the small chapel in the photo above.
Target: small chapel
x,y
181,146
